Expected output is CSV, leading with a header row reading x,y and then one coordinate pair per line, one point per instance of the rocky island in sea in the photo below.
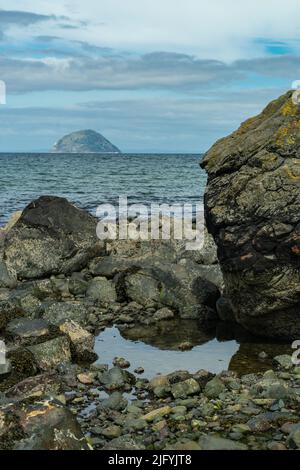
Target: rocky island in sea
x,y
60,286
86,141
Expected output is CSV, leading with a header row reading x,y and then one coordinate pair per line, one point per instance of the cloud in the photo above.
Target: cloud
x,y
22,18
166,71
220,29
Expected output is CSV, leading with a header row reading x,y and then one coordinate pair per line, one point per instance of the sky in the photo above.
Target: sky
x,y
150,75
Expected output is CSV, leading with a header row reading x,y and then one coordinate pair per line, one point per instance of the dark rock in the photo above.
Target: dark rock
x,y
43,425
115,401
59,312
126,442
9,310
52,236
26,328
252,210
219,443
7,279
224,310
116,378
50,354
82,342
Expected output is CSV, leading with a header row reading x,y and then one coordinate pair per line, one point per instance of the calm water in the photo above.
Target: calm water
x,y
156,348
89,180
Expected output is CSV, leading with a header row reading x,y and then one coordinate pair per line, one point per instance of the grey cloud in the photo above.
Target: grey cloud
x,y
22,18
105,69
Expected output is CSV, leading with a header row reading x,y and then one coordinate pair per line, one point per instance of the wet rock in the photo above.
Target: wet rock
x,y
58,312
293,440
171,285
135,424
121,362
158,413
116,378
38,386
51,236
26,328
112,432
185,445
7,279
251,206
163,314
139,370
159,381
50,354
42,425
284,362
185,346
77,284
82,342
186,388
219,443
224,310
101,290
9,310
115,401
86,378
259,424
214,388
125,442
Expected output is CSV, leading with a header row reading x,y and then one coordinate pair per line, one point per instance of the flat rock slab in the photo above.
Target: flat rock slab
x,y
26,328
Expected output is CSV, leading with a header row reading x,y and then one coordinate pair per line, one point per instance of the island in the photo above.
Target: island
x,y
86,141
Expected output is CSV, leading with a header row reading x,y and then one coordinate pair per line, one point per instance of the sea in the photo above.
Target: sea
x,y
89,180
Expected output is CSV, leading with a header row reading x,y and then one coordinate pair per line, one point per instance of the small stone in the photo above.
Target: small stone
x,y
136,424
115,401
158,413
86,379
159,426
241,428
179,410
259,424
159,381
213,388
186,445
112,432
276,446
293,440
185,388
263,355
219,443
121,362
283,362
163,314
198,424
139,370
185,346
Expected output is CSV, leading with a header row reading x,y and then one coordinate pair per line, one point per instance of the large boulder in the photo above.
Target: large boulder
x,y
51,236
43,425
252,205
184,287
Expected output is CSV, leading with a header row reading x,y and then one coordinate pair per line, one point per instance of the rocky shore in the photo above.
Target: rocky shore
x,y
60,286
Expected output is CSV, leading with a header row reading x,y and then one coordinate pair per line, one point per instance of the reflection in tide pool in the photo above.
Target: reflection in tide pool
x,y
213,355
156,348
